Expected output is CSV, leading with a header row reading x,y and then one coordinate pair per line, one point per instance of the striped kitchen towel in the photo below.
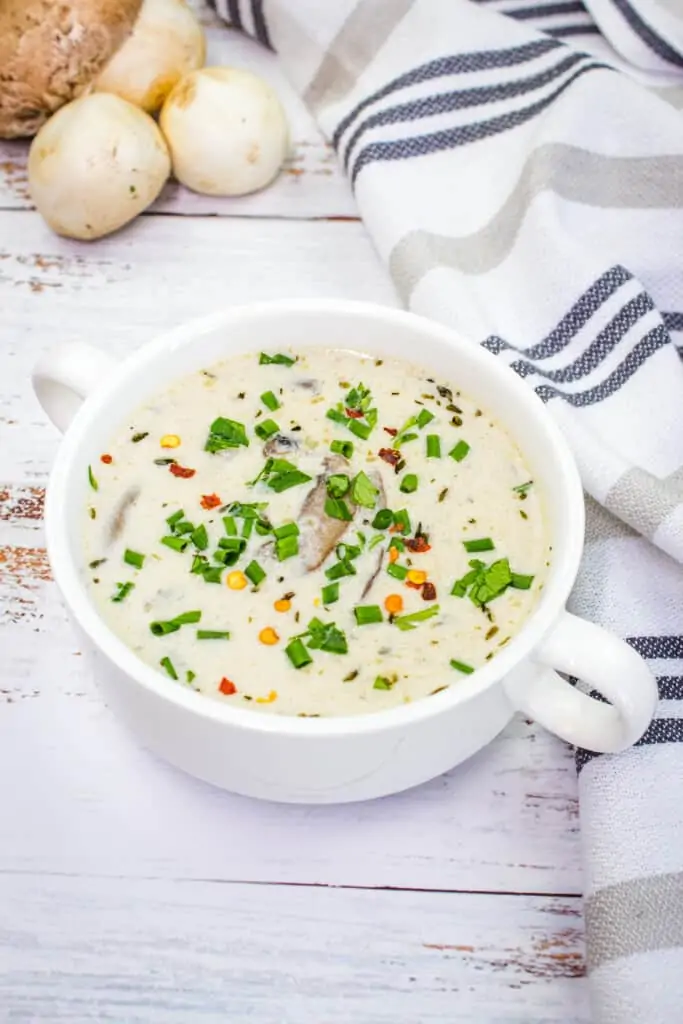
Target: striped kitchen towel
x,y
519,165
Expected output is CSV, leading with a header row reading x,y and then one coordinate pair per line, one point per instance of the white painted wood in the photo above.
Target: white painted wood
x,y
311,185
86,949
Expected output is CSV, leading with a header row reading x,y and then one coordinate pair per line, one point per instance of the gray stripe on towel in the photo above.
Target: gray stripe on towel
x,y
634,917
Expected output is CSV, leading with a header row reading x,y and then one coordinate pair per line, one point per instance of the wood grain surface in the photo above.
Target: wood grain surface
x,y
130,892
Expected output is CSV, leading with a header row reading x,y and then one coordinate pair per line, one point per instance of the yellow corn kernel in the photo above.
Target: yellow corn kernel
x,y
316,602
418,576
282,605
170,441
268,636
269,699
236,580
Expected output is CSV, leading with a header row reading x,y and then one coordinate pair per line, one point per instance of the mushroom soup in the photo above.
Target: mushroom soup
x,y
314,533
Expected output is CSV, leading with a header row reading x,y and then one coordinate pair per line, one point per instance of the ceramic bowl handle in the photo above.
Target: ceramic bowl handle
x,y
609,666
66,375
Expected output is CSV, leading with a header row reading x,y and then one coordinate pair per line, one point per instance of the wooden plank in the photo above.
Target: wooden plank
x,y
506,821
311,184
123,290
83,949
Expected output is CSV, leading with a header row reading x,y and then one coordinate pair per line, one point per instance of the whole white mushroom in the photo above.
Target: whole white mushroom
x,y
95,165
167,41
227,131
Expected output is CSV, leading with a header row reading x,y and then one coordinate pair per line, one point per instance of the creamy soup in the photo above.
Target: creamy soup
x,y
314,532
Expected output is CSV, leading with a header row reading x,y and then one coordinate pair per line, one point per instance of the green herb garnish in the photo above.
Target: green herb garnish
x,y
344,448
287,547
460,451
270,401
140,437
368,614
406,622
225,433
212,573
521,582
402,521
384,683
330,593
521,489
339,570
480,544
97,563
190,675
254,573
409,483
461,666
325,636
424,417
162,628
276,360
168,665
297,653
280,475
383,519
399,572
433,446
91,480
336,508
363,491
175,543
213,634
266,429
133,558
374,541
200,537
175,519
484,582
337,485
123,592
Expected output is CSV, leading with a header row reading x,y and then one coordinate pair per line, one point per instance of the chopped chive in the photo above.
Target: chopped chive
x,y
229,525
361,430
133,558
347,552
330,593
226,433
522,489
190,675
344,448
481,544
405,622
287,547
175,518
460,451
232,544
403,439
200,537
399,572
325,637
374,541
383,683
187,618
398,543
383,519
409,483
213,634
339,570
298,654
277,360
433,446
336,508
402,521
287,530
521,582
123,592
184,527
175,543
461,666
213,574
424,417
199,563
247,528
270,401
368,614
363,491
266,429
283,481
92,480
162,628
140,437
254,573
338,485
167,664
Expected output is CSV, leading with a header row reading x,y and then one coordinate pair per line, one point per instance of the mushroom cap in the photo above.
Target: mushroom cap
x,y
51,51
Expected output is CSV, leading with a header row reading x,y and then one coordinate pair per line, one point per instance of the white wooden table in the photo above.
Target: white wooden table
x,y
132,893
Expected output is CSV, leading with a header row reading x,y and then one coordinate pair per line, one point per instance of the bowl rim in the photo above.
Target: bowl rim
x,y
566,555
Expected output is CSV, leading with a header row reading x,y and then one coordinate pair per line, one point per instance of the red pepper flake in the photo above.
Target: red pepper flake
x,y
181,471
106,459
354,414
415,586
226,687
428,591
210,501
418,545
390,455
391,431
